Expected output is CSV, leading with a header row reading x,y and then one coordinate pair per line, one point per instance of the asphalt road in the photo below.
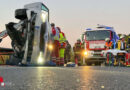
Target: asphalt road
x,y
64,78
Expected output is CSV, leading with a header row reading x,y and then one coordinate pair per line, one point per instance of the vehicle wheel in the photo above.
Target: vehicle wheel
x,y
88,63
110,59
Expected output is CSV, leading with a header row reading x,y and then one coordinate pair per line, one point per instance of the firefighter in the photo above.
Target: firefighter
x,y
77,52
108,44
121,44
67,52
55,53
110,58
62,45
128,44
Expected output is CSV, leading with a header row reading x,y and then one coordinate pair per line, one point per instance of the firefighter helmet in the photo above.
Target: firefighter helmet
x,y
122,36
78,40
107,39
52,24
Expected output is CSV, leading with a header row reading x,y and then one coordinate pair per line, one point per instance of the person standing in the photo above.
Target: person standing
x,y
77,52
67,52
108,44
55,52
121,44
62,44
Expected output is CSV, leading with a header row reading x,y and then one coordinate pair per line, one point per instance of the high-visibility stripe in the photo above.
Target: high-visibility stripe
x,y
108,45
61,61
57,61
54,59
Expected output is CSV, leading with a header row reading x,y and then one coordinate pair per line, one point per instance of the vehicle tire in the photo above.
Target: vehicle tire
x,y
88,63
111,59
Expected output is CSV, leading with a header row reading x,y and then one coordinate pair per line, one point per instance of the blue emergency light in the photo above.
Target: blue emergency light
x,y
108,27
88,29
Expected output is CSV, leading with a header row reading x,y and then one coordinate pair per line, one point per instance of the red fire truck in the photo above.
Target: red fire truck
x,y
94,43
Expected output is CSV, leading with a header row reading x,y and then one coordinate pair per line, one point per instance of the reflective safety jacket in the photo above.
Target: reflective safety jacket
x,y
108,45
68,48
62,40
121,45
77,48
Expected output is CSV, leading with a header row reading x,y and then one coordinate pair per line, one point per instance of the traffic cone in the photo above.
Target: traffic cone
x,y
54,59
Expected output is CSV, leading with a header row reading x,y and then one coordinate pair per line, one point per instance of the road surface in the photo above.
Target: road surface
x,y
65,78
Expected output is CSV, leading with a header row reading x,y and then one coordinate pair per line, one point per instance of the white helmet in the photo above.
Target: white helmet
x,y
122,36
78,40
107,39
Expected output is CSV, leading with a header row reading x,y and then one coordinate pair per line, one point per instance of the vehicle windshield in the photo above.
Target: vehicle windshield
x,y
97,35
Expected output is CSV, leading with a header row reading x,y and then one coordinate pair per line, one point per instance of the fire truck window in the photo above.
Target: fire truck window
x,y
97,35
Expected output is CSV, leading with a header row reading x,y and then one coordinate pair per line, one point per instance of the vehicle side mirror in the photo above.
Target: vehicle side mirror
x,y
83,37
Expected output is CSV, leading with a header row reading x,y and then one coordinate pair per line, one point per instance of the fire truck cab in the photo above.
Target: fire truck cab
x,y
94,43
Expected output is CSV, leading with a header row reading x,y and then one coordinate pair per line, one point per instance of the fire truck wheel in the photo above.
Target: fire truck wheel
x,y
88,63
120,63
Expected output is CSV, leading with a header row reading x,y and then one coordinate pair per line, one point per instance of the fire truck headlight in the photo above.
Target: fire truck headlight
x,y
85,53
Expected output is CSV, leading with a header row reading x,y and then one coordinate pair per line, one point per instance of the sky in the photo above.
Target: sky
x,y
74,16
